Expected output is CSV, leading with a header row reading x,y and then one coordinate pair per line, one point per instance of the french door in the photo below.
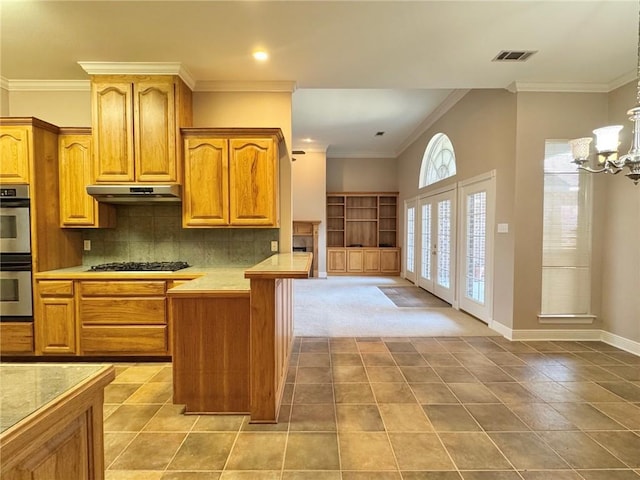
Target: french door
x,y
476,246
437,244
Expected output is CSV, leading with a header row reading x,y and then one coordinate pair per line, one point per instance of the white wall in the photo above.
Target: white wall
x,y
309,197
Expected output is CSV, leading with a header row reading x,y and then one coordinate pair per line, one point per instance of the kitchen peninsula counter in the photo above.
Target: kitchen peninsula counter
x,y
231,346
51,420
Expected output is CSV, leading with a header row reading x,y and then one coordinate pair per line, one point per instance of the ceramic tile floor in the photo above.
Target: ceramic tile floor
x,y
436,408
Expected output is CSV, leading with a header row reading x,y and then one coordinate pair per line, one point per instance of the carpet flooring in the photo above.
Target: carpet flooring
x,y
413,297
356,307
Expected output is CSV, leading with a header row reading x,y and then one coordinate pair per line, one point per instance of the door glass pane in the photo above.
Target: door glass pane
x,y
9,291
411,213
476,235
8,227
444,243
426,242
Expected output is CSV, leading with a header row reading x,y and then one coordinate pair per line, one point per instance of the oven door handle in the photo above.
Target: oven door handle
x,y
15,267
15,203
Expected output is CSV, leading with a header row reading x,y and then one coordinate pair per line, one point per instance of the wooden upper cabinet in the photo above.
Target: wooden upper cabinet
x,y
231,177
253,171
77,208
155,127
112,112
206,182
136,122
14,154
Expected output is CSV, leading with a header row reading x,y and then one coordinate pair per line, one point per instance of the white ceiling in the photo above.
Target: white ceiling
x,y
359,66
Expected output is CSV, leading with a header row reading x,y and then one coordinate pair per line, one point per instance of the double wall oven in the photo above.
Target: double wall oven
x,y
16,298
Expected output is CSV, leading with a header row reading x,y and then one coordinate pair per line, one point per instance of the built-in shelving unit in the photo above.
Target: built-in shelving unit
x,y
362,233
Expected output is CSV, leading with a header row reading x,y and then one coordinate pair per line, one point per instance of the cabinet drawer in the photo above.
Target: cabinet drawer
x,y
122,288
129,311
55,288
144,340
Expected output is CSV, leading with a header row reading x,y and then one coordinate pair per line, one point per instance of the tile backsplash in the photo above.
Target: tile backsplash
x,y
148,233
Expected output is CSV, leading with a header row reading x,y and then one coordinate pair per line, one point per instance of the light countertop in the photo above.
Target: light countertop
x,y
200,279
27,387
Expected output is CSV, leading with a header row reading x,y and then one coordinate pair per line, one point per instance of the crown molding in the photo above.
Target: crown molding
x,y
267,86
139,68
4,83
454,97
46,85
632,76
518,87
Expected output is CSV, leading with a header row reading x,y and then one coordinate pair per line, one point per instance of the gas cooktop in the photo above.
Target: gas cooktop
x,y
140,266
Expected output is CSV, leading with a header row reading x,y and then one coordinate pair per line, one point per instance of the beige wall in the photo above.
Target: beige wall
x,y
362,175
309,197
543,116
621,255
253,109
4,103
481,127
64,109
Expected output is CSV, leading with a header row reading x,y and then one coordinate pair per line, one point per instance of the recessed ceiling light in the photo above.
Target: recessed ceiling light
x,y
307,140
379,134
260,55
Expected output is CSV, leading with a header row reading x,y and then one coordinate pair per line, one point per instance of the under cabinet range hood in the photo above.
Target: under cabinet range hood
x,y
138,193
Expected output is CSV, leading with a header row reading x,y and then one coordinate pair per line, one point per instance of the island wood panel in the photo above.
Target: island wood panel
x,y
63,440
211,353
271,340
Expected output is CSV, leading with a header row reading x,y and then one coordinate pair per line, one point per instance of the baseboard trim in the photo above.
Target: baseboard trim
x,y
590,334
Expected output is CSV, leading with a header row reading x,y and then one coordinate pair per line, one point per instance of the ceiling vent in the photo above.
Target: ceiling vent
x,y
513,55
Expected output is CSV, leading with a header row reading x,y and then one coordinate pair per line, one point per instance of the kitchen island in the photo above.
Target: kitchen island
x,y
51,420
232,338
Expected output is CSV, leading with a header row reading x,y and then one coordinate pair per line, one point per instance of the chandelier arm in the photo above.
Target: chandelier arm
x,y
594,170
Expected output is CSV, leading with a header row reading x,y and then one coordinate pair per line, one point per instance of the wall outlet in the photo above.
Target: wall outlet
x,y
274,245
87,245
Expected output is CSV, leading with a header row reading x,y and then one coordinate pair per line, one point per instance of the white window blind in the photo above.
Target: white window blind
x,y
444,243
426,241
566,256
411,228
476,248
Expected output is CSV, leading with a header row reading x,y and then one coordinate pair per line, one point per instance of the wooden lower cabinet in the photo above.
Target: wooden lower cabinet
x,y
211,353
55,331
123,317
363,261
16,338
336,260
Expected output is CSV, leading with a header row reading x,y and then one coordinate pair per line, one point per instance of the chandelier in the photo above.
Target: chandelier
x,y
607,143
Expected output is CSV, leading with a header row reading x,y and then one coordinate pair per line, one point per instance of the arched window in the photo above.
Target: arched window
x,y
438,161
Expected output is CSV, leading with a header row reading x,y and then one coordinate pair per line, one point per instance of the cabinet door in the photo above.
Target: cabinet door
x,y
355,261
155,131
14,154
206,183
336,260
253,176
55,318
112,114
371,261
77,208
390,261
